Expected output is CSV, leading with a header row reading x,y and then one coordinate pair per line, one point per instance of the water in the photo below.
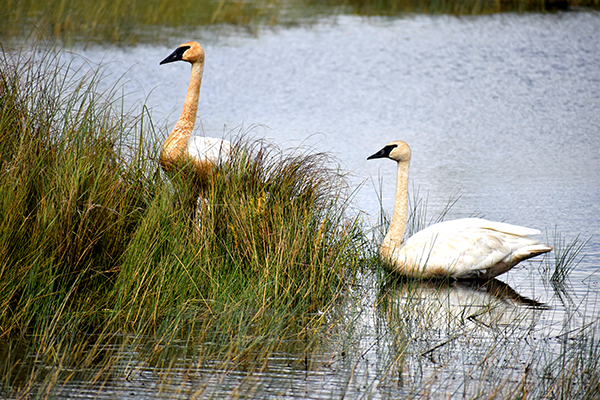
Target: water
x,y
503,110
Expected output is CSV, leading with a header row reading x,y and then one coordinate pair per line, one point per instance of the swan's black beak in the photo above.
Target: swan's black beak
x,y
177,55
383,153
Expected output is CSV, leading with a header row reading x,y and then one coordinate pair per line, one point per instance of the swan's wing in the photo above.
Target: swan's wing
x,y
210,149
462,248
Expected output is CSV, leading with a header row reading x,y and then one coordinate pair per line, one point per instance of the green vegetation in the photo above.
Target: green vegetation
x,y
124,21
566,258
97,248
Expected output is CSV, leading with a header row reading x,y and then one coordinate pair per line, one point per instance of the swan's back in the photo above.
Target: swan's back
x,y
207,149
465,249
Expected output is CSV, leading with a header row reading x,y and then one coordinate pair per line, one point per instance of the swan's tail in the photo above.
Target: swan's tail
x,y
527,252
513,259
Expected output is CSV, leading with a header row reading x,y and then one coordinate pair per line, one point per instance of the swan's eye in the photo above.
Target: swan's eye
x,y
181,50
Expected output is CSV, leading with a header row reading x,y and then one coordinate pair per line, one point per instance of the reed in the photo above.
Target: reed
x,y
97,248
122,21
566,258
67,201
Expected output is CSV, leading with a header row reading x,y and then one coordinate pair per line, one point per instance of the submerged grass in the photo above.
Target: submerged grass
x,y
122,21
566,258
98,250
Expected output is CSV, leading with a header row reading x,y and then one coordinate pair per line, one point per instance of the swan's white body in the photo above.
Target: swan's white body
x,y
469,248
181,148
208,149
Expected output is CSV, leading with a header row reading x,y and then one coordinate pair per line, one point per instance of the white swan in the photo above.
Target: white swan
x,y
469,248
181,148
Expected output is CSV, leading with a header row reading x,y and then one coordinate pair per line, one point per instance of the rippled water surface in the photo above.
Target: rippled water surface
x,y
502,110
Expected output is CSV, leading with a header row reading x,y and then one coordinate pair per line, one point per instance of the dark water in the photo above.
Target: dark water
x,y
503,110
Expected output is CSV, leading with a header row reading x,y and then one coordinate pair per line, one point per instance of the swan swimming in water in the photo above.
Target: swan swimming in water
x,y
469,248
181,148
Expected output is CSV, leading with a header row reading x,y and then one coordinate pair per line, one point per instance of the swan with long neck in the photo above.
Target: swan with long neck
x,y
469,248
181,149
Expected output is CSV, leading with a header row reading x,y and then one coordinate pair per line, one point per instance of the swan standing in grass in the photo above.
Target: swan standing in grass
x,y
469,248
181,148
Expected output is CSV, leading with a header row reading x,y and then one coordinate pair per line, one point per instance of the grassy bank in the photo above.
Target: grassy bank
x,y
97,247
122,22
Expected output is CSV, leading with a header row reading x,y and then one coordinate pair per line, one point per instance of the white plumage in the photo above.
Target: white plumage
x,y
213,150
469,248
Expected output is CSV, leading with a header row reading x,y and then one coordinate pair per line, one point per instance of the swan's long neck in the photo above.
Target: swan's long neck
x,y
174,148
393,239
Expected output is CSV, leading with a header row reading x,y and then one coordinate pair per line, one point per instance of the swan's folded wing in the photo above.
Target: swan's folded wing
x,y
462,247
210,149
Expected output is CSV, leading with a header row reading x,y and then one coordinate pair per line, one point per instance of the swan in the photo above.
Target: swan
x,y
469,248
181,148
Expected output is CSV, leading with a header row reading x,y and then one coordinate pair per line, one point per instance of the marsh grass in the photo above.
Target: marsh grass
x,y
99,255
122,21
71,198
566,258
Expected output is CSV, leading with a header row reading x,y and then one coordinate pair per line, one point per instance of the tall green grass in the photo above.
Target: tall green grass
x,y
122,21
565,260
97,247
69,198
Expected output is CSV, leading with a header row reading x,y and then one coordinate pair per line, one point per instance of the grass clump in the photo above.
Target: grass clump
x,y
97,249
566,258
69,198
269,235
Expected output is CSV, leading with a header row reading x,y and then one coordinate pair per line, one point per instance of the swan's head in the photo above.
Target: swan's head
x,y
191,52
397,151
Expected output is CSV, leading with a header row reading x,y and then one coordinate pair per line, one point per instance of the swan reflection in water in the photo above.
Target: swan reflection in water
x,y
457,304
456,336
